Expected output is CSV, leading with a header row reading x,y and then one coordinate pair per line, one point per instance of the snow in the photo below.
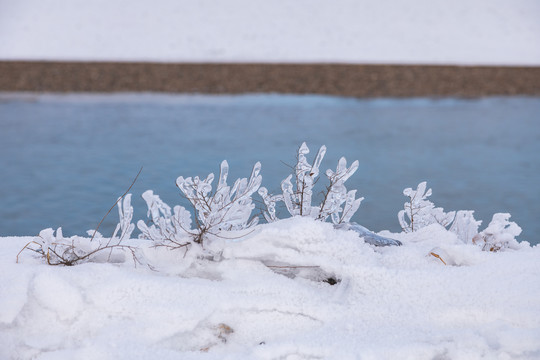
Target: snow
x,y
264,298
488,32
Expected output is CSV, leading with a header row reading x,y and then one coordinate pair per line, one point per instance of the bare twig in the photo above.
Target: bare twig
x,y
112,207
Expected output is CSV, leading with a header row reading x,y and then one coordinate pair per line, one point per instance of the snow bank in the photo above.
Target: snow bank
x,y
269,297
352,31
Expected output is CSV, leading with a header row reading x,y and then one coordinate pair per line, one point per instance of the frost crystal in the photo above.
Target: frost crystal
x,y
422,212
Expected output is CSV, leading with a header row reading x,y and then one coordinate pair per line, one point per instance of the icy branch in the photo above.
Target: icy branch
x,y
59,250
225,209
465,226
421,212
500,234
297,193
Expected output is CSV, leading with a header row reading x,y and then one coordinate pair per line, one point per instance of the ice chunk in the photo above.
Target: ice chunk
x,y
369,236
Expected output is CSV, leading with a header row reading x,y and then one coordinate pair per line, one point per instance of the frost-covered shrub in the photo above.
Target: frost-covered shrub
x,y
465,226
58,250
421,212
171,228
225,209
338,203
229,208
500,234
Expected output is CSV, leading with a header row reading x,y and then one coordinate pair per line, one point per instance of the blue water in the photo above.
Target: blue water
x,y
66,158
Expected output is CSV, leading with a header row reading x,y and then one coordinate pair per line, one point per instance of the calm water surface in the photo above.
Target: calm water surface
x,y
66,158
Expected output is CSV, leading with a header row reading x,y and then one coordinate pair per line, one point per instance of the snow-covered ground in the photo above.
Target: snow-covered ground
x,y
263,299
353,31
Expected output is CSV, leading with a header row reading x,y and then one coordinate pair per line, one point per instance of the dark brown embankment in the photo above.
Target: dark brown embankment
x,y
332,79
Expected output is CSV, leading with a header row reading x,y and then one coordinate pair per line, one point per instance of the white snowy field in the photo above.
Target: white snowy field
x,y
264,299
490,32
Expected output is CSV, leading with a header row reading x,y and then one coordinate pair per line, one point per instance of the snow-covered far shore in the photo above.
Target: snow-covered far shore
x,y
270,296
481,32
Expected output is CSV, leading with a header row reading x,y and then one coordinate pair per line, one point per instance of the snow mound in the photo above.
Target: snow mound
x,y
292,289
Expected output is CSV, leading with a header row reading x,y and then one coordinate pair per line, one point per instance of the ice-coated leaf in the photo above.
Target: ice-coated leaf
x,y
156,207
302,165
289,197
317,163
125,213
351,206
223,174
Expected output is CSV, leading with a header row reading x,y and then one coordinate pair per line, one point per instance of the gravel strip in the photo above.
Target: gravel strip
x,y
330,79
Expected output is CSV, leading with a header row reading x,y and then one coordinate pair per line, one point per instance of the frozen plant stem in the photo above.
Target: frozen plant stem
x,y
421,212
337,203
58,250
119,199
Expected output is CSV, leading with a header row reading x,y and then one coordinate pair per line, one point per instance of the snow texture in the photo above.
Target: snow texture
x,y
490,32
270,297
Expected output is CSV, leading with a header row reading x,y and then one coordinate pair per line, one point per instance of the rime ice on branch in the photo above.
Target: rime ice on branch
x,y
297,193
228,208
337,203
166,226
421,212
500,233
59,250
225,209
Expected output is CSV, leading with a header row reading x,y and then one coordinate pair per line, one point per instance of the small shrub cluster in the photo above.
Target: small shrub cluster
x,y
215,211
420,212
338,204
58,250
218,211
